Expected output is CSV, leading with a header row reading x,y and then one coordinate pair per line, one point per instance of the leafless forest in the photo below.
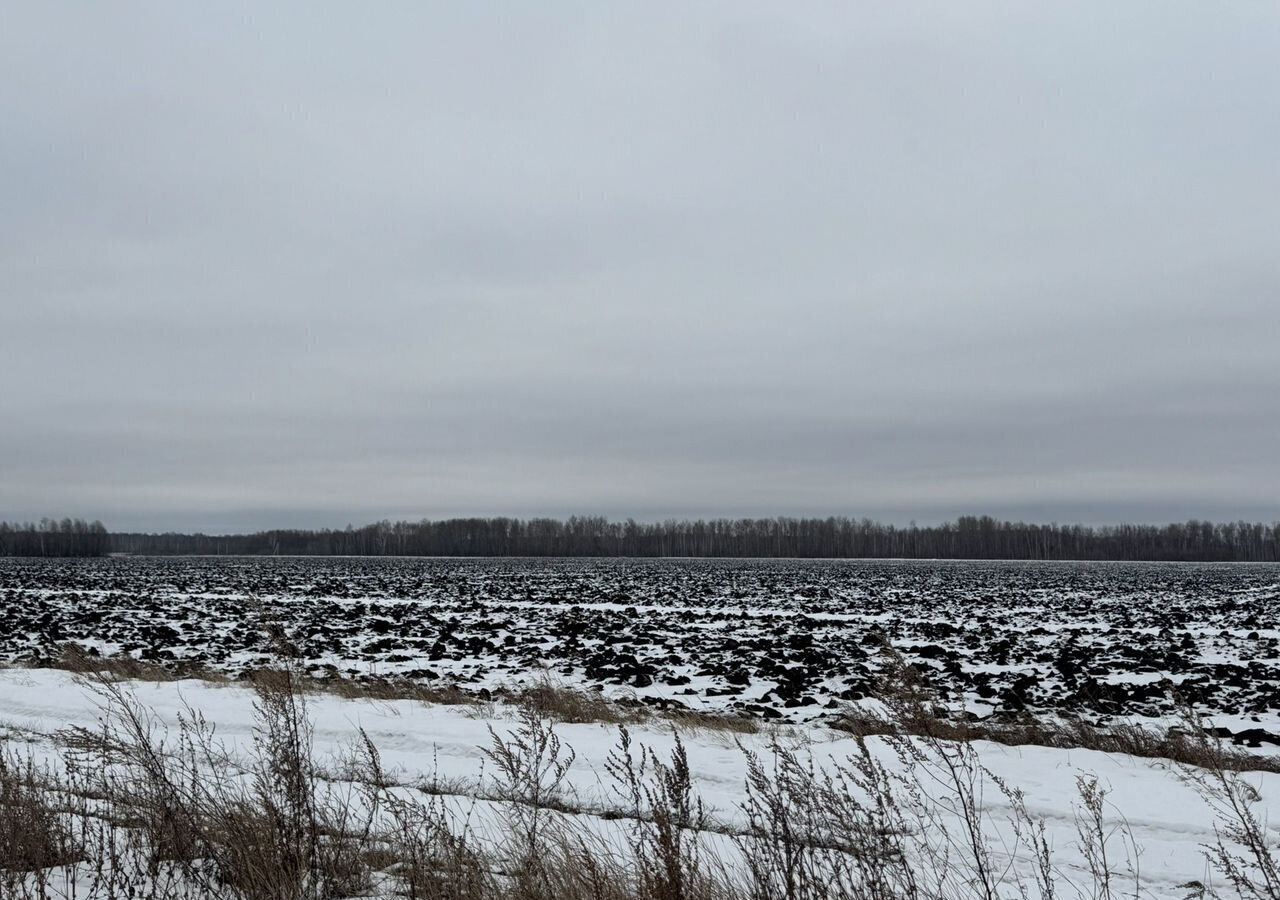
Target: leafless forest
x,y
969,537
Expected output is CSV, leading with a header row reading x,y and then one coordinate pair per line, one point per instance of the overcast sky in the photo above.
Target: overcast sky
x,y
311,264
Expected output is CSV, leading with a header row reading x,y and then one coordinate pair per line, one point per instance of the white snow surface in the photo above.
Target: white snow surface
x,y
1168,821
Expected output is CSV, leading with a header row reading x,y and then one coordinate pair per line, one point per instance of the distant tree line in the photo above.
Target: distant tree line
x,y
54,537
969,537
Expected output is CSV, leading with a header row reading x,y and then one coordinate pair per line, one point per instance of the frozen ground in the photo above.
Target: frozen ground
x,y
788,639
1147,801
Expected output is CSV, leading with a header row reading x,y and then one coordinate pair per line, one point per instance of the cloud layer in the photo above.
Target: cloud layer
x,y
315,264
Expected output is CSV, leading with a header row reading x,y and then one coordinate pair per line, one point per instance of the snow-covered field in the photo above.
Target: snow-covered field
x,y
787,639
1154,820
790,642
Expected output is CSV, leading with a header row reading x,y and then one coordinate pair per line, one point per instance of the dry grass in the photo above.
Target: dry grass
x,y
158,815
550,700
1178,744
570,705
548,697
384,688
713,721
34,836
74,658
911,711
144,812
266,830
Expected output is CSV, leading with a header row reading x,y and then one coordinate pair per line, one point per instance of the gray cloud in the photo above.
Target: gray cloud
x,y
308,265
